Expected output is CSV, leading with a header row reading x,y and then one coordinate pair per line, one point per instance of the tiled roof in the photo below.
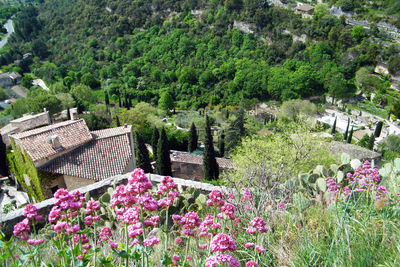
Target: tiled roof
x,y
108,154
180,156
71,134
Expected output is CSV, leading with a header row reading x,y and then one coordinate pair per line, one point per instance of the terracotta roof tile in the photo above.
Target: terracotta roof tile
x,y
108,154
71,134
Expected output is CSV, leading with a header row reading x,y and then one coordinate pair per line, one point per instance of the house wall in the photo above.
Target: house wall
x,y
73,182
189,171
37,120
49,181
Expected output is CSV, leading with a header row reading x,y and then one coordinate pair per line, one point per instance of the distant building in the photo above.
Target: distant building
x,y
305,10
355,152
190,166
7,80
24,123
68,155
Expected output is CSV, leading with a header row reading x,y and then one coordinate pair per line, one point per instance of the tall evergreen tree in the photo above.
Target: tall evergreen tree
x,y
350,135
68,114
117,121
154,142
235,131
210,165
347,129
371,142
106,98
163,155
334,127
119,100
193,138
378,129
3,158
142,154
221,144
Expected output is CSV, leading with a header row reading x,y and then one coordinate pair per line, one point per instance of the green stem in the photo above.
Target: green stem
x,y
31,255
12,256
166,230
95,243
186,250
126,245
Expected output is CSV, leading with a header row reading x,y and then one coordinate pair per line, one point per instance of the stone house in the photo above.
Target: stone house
x,y
190,166
68,155
26,122
355,152
305,10
7,80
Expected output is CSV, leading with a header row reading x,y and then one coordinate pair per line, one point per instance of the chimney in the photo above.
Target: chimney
x,y
48,116
54,140
73,112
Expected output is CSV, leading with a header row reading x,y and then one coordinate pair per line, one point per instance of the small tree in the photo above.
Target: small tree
x,y
350,135
193,138
221,144
117,121
166,102
334,127
142,154
210,165
236,130
378,129
107,99
347,129
154,142
163,157
371,142
3,158
68,114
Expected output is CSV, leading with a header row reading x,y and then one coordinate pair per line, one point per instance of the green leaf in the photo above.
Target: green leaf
x,y
321,183
166,260
345,158
339,176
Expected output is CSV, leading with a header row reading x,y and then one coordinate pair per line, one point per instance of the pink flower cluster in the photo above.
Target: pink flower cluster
x,y
22,229
257,225
105,233
215,198
222,242
220,258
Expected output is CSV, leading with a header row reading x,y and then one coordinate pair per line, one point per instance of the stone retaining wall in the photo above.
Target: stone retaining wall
x,y
7,221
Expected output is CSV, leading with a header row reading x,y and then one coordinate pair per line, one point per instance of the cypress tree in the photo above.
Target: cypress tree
x,y
107,99
350,135
371,142
68,114
117,121
142,154
163,157
193,138
154,142
3,158
334,127
221,144
378,129
119,100
347,129
210,165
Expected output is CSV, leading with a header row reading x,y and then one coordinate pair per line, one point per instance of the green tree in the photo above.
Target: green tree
x,y
142,154
163,155
210,165
221,144
193,138
364,141
358,32
83,94
89,80
154,141
106,98
378,129
3,158
166,102
350,136
236,130
297,108
371,142
347,129
3,94
334,127
40,49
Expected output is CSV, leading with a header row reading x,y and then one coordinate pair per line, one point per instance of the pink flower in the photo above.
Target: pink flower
x,y
54,214
92,206
191,220
138,182
247,196
153,221
80,257
260,249
202,246
215,198
259,224
222,242
151,241
22,229
105,233
249,245
219,258
251,264
229,210
38,218
178,240
113,245
30,211
176,257
135,230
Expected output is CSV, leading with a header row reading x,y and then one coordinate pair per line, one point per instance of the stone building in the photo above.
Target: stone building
x,y
190,166
26,122
305,10
68,155
7,80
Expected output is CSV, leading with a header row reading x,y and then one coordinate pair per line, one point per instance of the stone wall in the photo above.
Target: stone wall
x,y
190,171
7,221
73,183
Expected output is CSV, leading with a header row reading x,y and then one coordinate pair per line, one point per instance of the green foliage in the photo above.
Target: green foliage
x,y
163,155
236,130
20,164
3,158
166,102
210,165
142,154
221,144
3,94
364,142
297,109
154,141
358,32
193,138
